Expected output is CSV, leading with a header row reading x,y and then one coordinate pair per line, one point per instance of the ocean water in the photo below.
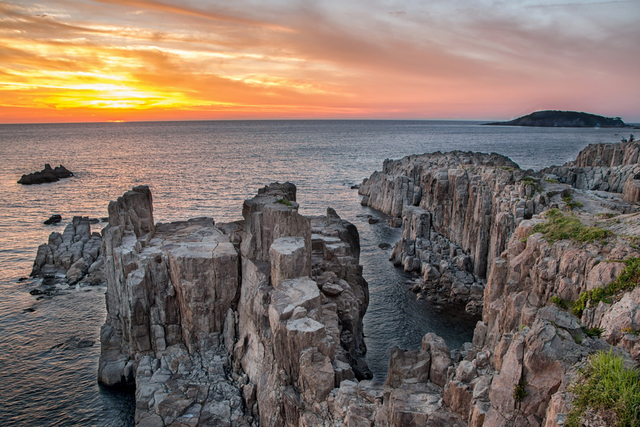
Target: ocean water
x,y
208,169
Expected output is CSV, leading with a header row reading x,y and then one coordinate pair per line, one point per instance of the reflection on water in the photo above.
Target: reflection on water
x,y
207,169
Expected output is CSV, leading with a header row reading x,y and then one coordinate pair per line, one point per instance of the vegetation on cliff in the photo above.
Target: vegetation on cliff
x,y
606,390
552,118
561,227
626,281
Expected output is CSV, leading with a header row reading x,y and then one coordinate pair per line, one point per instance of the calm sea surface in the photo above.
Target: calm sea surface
x,y
208,169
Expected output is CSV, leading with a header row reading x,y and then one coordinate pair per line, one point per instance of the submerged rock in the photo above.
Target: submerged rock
x,y
54,219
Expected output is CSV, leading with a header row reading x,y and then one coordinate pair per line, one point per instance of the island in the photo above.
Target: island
x,y
567,119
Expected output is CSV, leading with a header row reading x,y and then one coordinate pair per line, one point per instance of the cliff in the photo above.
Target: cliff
x,y
526,351
572,119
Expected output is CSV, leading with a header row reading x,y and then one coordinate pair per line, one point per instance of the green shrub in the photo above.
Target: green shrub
x,y
605,385
626,281
284,202
593,332
630,330
561,227
519,392
572,203
559,302
608,215
527,180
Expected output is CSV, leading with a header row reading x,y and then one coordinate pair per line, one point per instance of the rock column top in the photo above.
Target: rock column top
x,y
133,211
289,259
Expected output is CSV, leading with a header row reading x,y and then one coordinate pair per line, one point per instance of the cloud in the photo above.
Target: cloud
x,y
467,59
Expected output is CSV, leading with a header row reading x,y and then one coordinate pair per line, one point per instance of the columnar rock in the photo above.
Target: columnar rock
x,y
75,253
218,330
461,193
526,351
259,322
604,167
309,286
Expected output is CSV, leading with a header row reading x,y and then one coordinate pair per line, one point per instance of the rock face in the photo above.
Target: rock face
x,y
259,322
604,167
48,174
458,210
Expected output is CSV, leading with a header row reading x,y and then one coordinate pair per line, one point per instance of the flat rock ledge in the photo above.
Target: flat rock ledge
x,y
48,174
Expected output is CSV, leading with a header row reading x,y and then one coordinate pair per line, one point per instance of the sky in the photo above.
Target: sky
x,y
129,60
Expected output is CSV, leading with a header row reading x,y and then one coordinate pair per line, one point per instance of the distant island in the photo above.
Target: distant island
x,y
568,119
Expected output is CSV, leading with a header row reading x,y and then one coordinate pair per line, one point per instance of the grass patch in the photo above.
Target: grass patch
x,y
559,302
552,181
527,180
284,202
626,281
568,199
630,330
606,386
568,227
608,215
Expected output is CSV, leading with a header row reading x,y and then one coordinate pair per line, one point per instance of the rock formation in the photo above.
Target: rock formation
x,y
526,350
72,256
604,167
248,323
48,174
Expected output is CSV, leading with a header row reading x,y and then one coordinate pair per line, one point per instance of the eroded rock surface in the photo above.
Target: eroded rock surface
x,y
526,350
71,256
259,322
248,323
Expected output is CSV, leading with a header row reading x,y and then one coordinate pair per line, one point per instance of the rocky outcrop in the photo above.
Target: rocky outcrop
x,y
608,155
603,167
71,256
259,322
248,323
526,351
458,210
48,174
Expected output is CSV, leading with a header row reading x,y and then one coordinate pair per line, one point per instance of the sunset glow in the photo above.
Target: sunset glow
x,y
114,60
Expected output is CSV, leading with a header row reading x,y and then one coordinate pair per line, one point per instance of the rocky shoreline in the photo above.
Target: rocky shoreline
x,y
259,322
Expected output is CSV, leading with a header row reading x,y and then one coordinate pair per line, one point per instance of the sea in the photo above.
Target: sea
x,y
207,168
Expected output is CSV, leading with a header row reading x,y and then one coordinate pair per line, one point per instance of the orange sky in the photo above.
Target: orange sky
x,y
82,60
